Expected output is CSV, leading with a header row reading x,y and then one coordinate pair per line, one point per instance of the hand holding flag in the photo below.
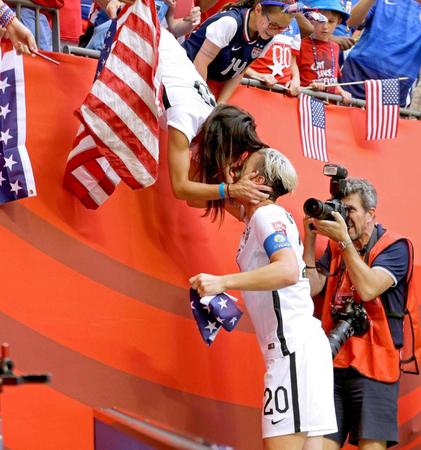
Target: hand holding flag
x,y
213,313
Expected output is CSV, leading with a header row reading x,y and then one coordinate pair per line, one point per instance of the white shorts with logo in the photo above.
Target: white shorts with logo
x,y
298,394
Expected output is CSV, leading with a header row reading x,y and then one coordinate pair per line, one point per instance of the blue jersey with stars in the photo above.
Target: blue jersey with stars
x,y
234,57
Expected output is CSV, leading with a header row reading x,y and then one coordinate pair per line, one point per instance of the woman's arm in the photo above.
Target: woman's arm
x,y
11,28
207,53
185,25
282,271
359,13
229,87
185,188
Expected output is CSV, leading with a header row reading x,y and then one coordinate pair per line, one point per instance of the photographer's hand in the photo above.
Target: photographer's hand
x,y
336,230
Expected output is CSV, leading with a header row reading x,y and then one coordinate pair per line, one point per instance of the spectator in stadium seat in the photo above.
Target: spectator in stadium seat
x,y
100,21
278,65
389,47
318,60
11,28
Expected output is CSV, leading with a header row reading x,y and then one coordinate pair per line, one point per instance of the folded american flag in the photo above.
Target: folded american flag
x,y
119,133
213,313
382,108
16,177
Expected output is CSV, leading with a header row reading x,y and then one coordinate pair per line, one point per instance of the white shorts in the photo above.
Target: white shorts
x,y
298,395
189,108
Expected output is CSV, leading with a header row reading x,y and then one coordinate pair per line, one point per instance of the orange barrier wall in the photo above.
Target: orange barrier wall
x,y
99,298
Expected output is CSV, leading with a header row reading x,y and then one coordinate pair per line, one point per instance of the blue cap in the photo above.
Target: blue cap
x,y
329,5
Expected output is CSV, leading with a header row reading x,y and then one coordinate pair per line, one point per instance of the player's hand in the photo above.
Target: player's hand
x,y
246,189
206,284
21,37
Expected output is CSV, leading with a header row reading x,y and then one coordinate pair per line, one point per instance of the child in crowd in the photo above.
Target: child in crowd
x,y
102,11
278,65
318,60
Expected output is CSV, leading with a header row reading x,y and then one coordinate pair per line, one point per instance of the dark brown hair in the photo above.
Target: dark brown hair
x,y
226,135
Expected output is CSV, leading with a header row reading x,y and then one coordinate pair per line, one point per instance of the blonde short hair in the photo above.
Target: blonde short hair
x,y
278,172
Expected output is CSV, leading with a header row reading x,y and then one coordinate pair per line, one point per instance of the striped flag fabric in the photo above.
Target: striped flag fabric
x,y
382,108
118,138
313,127
16,176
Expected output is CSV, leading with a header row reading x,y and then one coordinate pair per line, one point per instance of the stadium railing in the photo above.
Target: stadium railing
x,y
55,19
405,112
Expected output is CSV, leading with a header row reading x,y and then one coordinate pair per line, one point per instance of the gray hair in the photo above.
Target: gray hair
x,y
365,190
278,172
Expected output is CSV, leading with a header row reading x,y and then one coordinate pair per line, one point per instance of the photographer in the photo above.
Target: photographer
x,y
364,264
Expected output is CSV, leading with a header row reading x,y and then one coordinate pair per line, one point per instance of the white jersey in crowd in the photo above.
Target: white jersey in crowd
x,y
187,97
283,319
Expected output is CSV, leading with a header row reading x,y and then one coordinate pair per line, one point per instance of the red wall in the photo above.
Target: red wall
x,y
99,299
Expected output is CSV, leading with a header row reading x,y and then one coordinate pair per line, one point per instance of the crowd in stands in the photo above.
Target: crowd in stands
x,y
350,40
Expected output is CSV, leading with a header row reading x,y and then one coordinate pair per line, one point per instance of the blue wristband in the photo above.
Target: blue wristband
x,y
221,189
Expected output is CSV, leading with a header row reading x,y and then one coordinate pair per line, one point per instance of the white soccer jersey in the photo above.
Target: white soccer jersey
x,y
187,94
283,319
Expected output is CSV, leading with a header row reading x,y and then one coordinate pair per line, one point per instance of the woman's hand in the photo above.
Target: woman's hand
x,y
206,284
194,17
246,189
21,37
294,87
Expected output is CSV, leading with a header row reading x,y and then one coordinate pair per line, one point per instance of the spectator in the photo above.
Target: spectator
x,y
100,20
278,65
318,59
389,47
11,28
223,46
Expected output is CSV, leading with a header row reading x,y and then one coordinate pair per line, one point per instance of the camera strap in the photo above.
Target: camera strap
x,y
373,239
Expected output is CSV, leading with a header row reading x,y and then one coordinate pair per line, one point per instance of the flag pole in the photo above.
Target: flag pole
x,y
357,82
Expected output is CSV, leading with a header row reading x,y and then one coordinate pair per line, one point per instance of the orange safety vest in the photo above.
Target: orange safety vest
x,y
374,354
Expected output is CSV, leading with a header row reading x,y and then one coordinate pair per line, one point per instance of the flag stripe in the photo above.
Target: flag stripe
x,y
121,111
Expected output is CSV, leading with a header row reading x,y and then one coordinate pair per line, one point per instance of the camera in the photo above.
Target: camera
x,y
323,210
352,319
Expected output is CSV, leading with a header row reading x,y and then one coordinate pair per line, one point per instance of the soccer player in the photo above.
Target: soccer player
x,y
298,405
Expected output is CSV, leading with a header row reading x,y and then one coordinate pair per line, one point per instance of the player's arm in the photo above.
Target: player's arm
x,y
194,191
282,271
179,167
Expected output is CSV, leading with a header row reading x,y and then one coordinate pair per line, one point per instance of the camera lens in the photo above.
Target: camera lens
x,y
313,207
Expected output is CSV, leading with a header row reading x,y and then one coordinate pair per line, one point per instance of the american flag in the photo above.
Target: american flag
x,y
313,127
382,105
213,313
118,138
16,177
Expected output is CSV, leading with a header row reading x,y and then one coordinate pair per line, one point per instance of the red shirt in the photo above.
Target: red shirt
x,y
277,59
318,61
